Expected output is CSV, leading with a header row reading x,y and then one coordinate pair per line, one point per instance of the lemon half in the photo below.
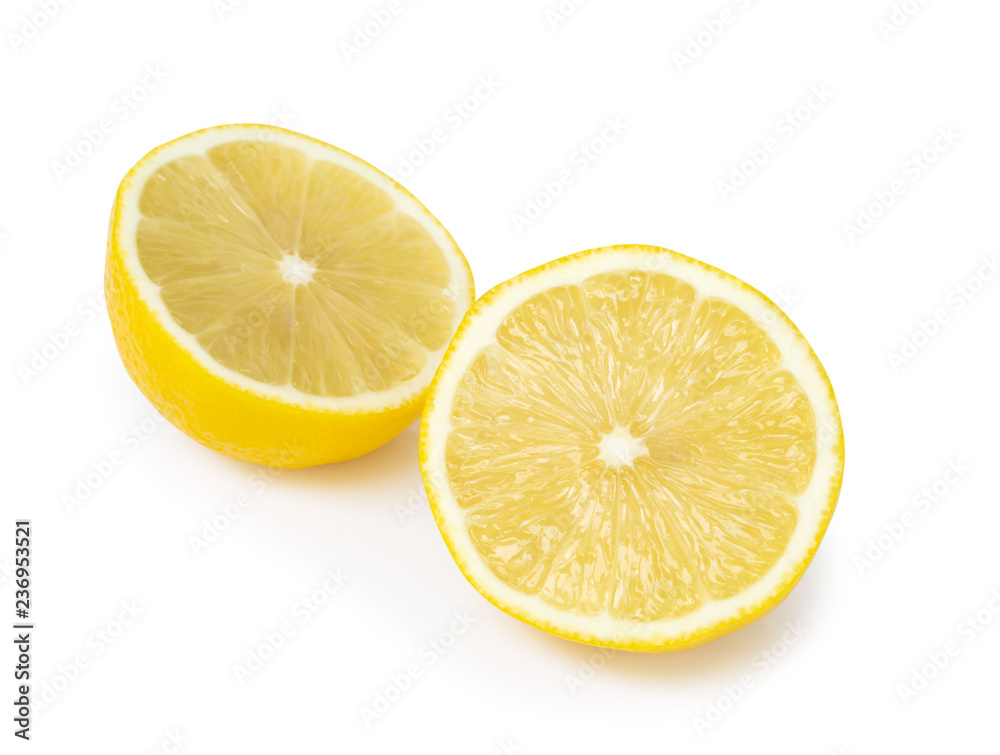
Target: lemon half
x,y
630,448
278,299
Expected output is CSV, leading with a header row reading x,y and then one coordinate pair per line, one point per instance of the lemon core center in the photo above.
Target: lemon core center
x,y
619,447
296,270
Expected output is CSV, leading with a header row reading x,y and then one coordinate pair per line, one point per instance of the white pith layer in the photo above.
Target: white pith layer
x,y
199,143
813,505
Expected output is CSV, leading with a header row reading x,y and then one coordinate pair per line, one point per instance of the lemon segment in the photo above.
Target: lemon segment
x,y
290,280
630,448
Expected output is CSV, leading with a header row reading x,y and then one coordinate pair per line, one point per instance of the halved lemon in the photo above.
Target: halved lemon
x,y
630,448
278,299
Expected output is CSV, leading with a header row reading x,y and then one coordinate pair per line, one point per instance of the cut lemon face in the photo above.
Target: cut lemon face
x,y
630,448
276,298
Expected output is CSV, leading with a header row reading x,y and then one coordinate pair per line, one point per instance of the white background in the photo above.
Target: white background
x,y
866,628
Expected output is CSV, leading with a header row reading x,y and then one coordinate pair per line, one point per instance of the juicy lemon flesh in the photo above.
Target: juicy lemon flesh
x,y
294,271
630,448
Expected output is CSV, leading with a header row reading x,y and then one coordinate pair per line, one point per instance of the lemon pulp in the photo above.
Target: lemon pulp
x,y
628,447
293,271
